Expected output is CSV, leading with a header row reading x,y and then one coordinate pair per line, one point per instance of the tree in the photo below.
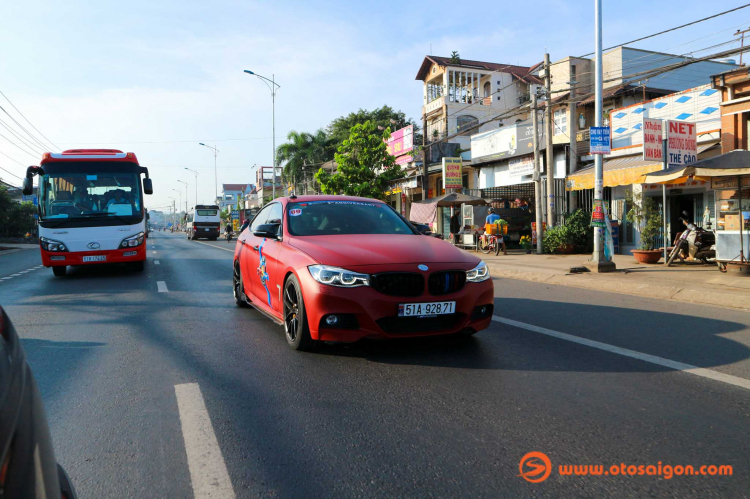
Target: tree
x,y
340,128
455,58
644,214
16,219
363,165
303,149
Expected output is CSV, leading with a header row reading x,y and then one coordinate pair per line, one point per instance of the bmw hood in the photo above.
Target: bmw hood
x,y
358,250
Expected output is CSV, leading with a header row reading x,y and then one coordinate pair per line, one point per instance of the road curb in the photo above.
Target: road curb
x,y
601,283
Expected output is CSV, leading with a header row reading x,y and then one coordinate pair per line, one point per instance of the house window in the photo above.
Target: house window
x,y
487,90
467,124
561,121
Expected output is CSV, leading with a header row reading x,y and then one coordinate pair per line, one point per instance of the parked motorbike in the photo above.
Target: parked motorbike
x,y
694,243
228,236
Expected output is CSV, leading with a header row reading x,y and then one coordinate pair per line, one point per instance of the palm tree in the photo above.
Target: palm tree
x,y
302,149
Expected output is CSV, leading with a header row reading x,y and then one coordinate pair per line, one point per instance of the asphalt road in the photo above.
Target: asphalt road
x,y
429,418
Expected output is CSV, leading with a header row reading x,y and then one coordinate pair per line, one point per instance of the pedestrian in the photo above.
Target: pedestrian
x,y
455,227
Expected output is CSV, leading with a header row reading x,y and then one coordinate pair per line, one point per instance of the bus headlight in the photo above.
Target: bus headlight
x,y
131,241
52,245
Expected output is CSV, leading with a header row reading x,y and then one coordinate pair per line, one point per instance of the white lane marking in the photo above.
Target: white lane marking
x,y
23,271
4,278
162,287
208,472
15,275
156,262
154,252
217,247
653,359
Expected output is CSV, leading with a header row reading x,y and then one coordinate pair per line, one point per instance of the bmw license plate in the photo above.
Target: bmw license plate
x,y
95,258
426,309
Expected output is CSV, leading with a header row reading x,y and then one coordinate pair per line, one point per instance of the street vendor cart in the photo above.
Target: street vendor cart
x,y
729,175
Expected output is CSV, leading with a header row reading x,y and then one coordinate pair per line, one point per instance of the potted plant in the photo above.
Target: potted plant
x,y
644,213
526,243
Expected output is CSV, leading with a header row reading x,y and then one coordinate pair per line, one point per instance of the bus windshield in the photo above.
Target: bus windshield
x,y
81,195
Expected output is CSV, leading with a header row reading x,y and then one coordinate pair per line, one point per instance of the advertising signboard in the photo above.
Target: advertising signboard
x,y
652,139
235,215
401,141
452,177
599,142
682,144
521,166
506,142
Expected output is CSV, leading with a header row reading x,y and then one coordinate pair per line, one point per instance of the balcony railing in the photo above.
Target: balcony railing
x,y
582,142
433,105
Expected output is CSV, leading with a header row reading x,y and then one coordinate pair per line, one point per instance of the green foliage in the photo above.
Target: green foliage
x,y
301,150
644,213
16,219
340,128
455,58
575,232
363,165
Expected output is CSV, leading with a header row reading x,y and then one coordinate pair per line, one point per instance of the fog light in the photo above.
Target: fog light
x,y
130,253
331,320
483,310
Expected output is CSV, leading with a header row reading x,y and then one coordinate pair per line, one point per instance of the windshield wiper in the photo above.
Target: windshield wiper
x,y
104,215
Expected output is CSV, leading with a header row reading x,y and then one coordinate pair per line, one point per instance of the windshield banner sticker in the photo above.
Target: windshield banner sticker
x,y
295,212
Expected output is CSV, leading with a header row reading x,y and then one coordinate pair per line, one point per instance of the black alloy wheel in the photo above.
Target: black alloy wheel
x,y
295,321
240,298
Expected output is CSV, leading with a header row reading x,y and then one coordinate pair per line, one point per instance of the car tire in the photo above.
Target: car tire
x,y
240,298
137,266
296,330
60,271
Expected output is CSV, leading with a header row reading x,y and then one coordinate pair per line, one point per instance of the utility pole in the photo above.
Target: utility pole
x,y
573,129
537,177
742,44
549,163
598,262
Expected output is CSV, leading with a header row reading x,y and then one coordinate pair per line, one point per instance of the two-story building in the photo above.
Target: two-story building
x,y
463,97
231,194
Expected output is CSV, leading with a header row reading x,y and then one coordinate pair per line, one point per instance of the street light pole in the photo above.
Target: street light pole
x,y
186,194
216,175
196,183
179,193
273,86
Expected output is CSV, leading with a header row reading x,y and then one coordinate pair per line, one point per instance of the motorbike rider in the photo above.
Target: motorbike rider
x,y
228,229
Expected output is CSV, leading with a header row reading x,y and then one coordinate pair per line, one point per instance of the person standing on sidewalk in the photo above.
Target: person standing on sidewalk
x,y
455,227
493,217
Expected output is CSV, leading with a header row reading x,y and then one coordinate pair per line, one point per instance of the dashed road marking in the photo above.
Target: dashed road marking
x,y
162,287
208,471
156,262
653,359
154,252
4,278
15,275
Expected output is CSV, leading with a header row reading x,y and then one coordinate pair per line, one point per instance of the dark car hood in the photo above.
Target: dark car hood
x,y
380,249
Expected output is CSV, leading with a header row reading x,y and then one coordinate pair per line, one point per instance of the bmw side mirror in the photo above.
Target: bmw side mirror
x,y
28,186
267,230
148,188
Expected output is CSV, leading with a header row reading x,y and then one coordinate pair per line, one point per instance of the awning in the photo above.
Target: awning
x,y
626,170
730,164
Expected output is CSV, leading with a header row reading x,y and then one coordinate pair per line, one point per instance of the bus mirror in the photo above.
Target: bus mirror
x,y
28,186
147,187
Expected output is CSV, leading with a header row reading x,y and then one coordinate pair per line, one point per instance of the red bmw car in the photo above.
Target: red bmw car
x,y
338,268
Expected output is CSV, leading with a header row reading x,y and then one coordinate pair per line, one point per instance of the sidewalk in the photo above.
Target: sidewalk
x,y
692,283
8,248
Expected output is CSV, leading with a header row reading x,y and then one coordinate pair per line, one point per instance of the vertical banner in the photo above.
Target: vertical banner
x,y
682,143
652,139
597,216
452,175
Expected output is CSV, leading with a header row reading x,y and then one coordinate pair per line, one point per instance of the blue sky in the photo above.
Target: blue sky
x,y
155,77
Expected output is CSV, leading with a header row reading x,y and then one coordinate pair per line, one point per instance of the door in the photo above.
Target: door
x,y
265,287
249,255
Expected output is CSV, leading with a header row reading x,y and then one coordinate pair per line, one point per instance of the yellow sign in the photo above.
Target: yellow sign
x,y
452,175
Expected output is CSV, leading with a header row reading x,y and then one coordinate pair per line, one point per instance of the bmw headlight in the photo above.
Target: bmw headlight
x,y
479,273
131,241
334,276
52,245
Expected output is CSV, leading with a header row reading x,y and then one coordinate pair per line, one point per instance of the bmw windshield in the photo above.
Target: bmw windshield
x,y
333,217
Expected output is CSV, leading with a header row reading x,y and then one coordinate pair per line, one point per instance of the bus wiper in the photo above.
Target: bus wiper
x,y
104,215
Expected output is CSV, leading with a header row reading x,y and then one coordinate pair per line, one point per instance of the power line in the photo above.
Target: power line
x,y
27,121
23,141
19,147
673,29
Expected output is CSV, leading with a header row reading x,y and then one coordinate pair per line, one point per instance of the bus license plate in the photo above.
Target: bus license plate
x,y
425,309
95,258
